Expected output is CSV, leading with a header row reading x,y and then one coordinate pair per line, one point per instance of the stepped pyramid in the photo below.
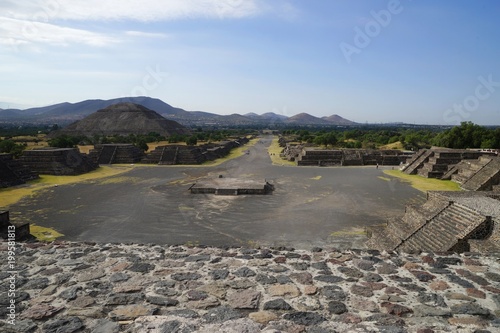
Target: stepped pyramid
x,y
123,119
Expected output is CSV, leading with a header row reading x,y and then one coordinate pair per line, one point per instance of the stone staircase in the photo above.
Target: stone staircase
x,y
445,230
447,221
439,164
319,157
106,154
120,153
417,161
398,230
162,155
189,155
485,177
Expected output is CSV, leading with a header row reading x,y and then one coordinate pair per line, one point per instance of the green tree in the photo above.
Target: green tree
x,y
192,141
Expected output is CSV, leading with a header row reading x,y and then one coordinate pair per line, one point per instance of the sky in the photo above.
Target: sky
x,y
374,61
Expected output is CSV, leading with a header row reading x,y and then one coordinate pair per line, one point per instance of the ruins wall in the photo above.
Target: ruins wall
x,y
57,161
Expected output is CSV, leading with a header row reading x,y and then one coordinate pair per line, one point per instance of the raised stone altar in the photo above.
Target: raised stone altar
x,y
231,186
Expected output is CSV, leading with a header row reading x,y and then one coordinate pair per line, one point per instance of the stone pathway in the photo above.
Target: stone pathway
x,y
82,287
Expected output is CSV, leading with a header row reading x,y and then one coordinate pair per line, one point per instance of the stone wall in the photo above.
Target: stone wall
x,y
348,157
57,161
13,173
181,154
122,153
103,288
20,230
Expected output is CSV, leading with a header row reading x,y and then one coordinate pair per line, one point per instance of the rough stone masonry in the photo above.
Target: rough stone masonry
x,y
84,287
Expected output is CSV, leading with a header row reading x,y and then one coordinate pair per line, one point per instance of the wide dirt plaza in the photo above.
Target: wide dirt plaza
x,y
310,206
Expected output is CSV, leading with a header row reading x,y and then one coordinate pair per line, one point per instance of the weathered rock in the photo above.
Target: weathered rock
x,y
40,311
386,269
277,304
244,272
263,317
130,312
36,283
82,302
395,309
430,311
361,290
141,267
234,326
337,307
123,299
90,274
221,314
302,278
162,301
90,312
333,293
265,279
70,293
286,290
351,272
364,305
119,277
305,318
63,325
219,274
206,303
105,326
328,278
247,299
469,309
185,276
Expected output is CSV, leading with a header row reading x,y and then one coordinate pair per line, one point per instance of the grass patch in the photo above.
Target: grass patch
x,y
424,184
395,145
85,149
44,234
274,151
316,178
11,195
384,178
117,180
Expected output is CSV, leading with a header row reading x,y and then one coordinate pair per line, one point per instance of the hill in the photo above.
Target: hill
x,y
66,113
305,119
123,119
338,120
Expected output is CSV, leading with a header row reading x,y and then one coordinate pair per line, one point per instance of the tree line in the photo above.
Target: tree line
x,y
466,135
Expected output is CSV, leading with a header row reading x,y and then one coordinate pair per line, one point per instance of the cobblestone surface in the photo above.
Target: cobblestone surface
x,y
86,287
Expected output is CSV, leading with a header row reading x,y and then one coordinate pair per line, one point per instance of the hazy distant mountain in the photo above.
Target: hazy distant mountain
x,y
266,117
338,120
305,119
65,113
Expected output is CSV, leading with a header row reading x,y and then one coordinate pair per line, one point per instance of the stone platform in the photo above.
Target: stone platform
x,y
106,288
231,186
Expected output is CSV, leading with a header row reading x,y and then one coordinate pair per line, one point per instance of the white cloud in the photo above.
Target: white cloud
x,y
145,10
16,32
146,34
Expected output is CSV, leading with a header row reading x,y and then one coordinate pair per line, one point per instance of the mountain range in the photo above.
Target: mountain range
x,y
65,113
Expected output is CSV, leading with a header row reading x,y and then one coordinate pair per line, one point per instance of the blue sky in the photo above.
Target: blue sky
x,y
426,62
